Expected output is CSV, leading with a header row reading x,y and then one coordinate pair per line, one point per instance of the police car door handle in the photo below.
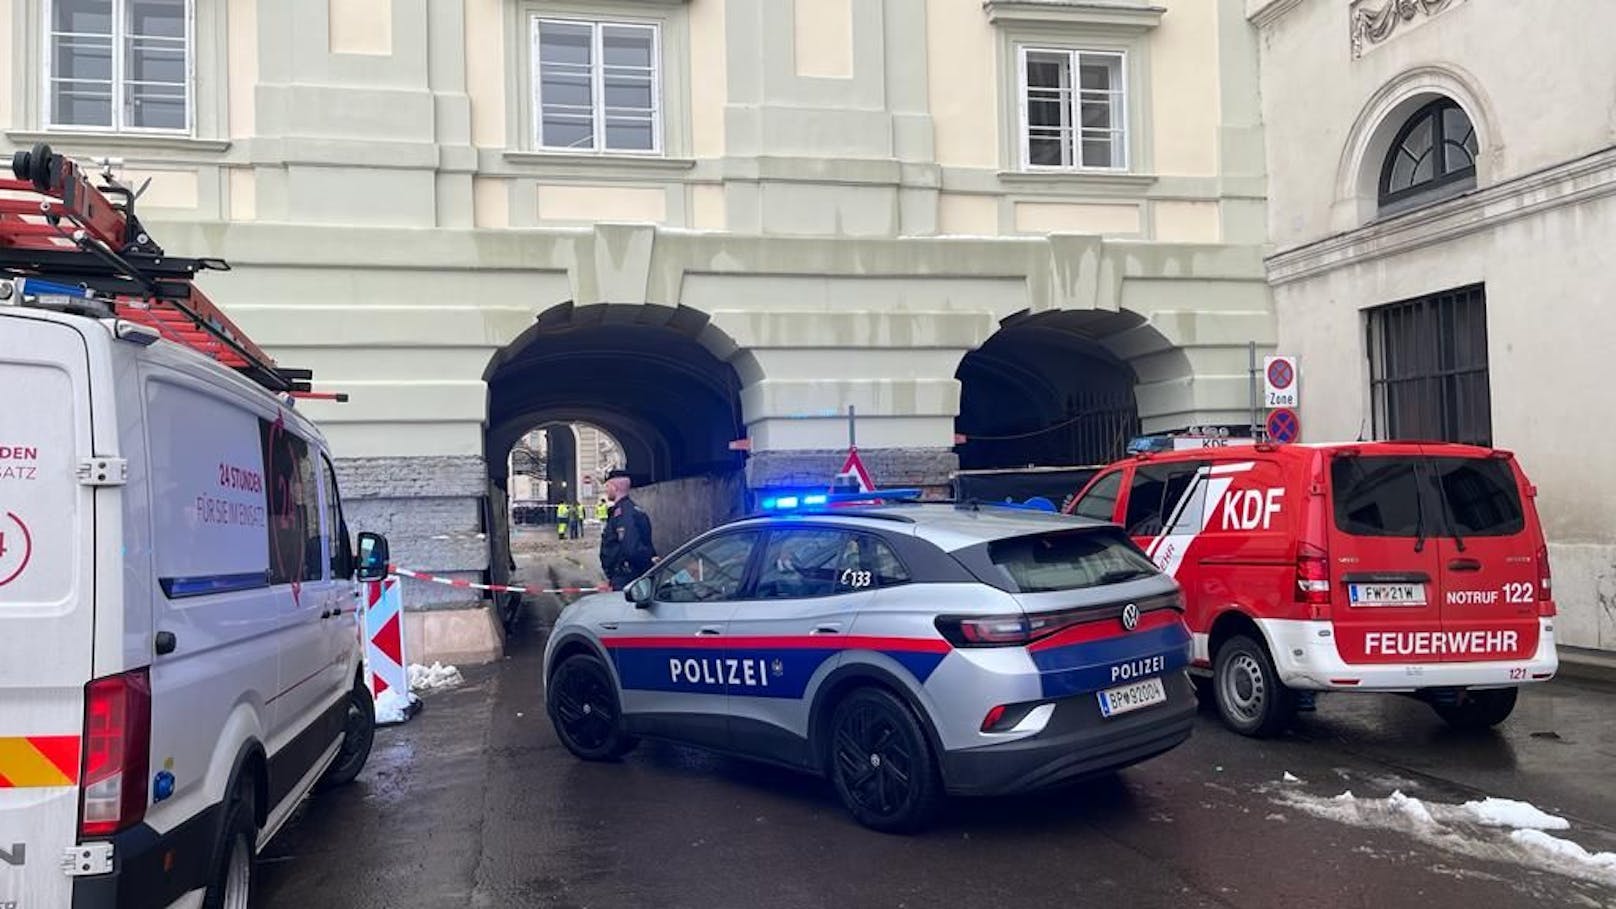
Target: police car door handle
x,y
827,629
709,629
1464,565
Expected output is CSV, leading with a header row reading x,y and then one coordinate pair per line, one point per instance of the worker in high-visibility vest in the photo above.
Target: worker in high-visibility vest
x,y
601,510
563,518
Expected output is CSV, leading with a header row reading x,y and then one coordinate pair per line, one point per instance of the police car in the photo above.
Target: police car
x,y
904,650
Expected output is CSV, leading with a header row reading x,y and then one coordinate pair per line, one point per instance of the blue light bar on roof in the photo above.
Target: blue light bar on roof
x,y
798,501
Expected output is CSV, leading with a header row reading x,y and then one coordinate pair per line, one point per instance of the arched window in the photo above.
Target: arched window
x,y
1433,157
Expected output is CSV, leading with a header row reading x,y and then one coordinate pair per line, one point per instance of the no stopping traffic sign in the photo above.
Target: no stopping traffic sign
x,y
1284,425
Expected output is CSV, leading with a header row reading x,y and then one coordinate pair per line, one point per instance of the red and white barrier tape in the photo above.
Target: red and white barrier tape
x,y
495,588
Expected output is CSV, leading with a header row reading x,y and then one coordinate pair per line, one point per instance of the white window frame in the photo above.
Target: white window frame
x,y
1119,116
597,86
120,37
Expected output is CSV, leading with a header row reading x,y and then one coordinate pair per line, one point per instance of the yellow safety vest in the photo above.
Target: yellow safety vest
x,y
561,510
601,511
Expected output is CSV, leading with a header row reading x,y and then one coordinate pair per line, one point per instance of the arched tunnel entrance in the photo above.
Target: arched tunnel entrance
x,y
652,378
1047,390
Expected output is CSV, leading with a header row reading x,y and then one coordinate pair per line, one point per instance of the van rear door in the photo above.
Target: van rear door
x,y
1386,605
46,602
1488,558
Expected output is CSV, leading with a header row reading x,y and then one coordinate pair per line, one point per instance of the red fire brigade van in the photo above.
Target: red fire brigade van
x,y
1417,568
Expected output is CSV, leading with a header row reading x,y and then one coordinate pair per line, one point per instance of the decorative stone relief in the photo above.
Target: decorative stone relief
x,y
1372,23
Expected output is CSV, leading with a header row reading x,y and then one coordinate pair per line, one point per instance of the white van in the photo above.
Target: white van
x,y
180,662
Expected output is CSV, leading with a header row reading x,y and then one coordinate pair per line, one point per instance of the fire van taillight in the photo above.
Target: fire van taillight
x,y
1545,583
1313,579
117,740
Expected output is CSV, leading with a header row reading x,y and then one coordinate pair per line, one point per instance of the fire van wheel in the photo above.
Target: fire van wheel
x,y
1251,699
1478,710
358,735
583,705
230,881
881,763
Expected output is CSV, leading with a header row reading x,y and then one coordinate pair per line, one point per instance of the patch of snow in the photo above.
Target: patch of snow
x,y
1291,777
1565,850
1461,829
1412,807
1518,815
393,707
434,678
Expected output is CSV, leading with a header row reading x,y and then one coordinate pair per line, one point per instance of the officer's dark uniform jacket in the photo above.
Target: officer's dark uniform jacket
x,y
625,543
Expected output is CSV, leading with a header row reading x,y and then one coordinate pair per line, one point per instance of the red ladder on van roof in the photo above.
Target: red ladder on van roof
x,y
56,226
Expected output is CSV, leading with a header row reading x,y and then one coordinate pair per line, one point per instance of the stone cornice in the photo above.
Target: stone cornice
x,y
1263,13
1575,182
1083,13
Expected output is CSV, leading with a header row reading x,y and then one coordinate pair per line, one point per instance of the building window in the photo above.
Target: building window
x,y
1428,368
596,86
1073,109
1432,157
121,65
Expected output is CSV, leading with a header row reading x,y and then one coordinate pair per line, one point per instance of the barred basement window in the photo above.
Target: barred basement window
x,y
596,86
1428,368
122,65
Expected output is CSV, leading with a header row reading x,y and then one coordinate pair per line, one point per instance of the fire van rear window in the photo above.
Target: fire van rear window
x,y
1481,496
1377,497
1069,560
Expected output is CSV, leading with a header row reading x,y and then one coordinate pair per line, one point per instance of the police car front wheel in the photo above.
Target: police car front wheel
x,y
881,762
584,707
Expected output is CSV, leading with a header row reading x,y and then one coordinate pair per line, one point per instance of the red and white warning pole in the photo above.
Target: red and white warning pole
x,y
385,670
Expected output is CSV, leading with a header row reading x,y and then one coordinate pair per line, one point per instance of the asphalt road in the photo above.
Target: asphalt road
x,y
475,803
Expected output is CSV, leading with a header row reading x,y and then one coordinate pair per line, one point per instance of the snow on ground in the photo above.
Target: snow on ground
x,y
1515,815
393,707
1474,829
434,677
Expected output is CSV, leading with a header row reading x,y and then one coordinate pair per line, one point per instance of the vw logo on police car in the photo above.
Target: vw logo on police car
x,y
1130,616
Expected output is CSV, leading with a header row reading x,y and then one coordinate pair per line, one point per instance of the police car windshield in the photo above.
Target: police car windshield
x,y
1069,560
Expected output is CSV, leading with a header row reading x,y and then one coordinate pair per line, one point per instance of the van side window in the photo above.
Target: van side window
x,y
1154,495
296,549
336,529
1100,502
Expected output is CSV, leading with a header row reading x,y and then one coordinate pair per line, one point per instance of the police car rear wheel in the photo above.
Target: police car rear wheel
x,y
583,706
881,762
1477,710
1251,699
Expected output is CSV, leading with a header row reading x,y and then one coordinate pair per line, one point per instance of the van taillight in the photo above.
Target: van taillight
x,y
1545,583
1313,579
117,739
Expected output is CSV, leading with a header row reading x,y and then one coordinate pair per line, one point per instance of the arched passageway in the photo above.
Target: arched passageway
x,y
1047,389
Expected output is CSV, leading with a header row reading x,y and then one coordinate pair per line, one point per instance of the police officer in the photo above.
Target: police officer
x,y
626,551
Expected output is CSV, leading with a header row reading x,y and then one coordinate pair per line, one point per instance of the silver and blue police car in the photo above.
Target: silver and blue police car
x,y
905,650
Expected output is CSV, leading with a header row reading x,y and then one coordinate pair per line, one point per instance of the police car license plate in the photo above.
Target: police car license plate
x,y
1114,701
1386,594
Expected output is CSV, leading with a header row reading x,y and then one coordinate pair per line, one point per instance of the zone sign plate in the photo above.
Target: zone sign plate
x,y
1281,382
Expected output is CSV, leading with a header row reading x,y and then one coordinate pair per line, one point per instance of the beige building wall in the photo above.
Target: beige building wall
x,y
1536,231
838,210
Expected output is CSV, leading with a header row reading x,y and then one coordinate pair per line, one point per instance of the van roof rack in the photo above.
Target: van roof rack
x,y
66,244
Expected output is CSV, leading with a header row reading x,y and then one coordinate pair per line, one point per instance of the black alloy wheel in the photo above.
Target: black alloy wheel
x,y
358,736
583,705
881,762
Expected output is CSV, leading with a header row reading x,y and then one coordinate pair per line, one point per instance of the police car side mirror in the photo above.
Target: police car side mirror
x,y
373,556
639,593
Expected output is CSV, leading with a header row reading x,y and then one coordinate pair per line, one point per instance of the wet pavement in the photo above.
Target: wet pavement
x,y
475,803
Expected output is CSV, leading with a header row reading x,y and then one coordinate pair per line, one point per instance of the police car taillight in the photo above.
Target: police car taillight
x,y
985,631
1313,578
117,739
1545,583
